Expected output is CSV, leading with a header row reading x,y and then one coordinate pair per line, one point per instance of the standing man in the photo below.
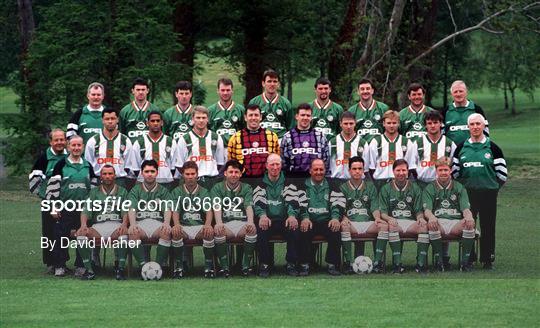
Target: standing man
x,y
427,148
368,111
320,217
110,146
202,146
157,146
411,118
234,217
480,166
87,121
326,113
110,223
146,221
345,145
71,179
252,145
177,119
302,144
277,207
226,116
133,116
361,216
457,113
192,220
447,210
385,149
400,202
276,110
38,179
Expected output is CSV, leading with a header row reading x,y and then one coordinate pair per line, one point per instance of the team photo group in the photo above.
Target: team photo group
x,y
211,176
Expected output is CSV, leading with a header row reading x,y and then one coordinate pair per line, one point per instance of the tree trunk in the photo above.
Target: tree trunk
x,y
513,94
254,25
185,29
505,96
69,101
342,51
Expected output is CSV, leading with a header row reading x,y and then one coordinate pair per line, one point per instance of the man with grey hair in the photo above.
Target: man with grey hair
x,y
38,178
480,166
457,112
277,205
86,121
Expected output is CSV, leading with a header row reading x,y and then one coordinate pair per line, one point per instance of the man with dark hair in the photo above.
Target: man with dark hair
x,y
133,116
325,204
276,112
345,145
411,118
177,119
226,116
302,144
146,221
110,147
326,113
252,145
400,202
86,121
368,111
277,205
192,220
38,179
157,146
234,217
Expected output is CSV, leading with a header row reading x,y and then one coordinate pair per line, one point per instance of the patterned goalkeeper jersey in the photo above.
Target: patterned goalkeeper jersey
x,y
300,147
251,148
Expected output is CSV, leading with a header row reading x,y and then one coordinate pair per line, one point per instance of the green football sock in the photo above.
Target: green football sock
x,y
249,249
221,251
208,250
422,246
178,253
436,242
138,253
346,245
467,243
122,252
162,251
380,246
85,251
395,246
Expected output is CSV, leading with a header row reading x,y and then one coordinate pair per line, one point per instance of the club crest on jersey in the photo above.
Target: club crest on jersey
x,y
214,142
357,204
330,118
270,117
453,197
448,149
140,125
326,197
365,198
234,118
227,124
401,205
279,111
404,148
445,204
377,117
487,155
360,149
305,144
122,148
167,149
255,144
408,199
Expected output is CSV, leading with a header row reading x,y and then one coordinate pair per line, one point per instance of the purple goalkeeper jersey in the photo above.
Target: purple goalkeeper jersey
x,y
299,148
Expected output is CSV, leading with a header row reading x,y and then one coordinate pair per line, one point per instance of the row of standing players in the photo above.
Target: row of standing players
x,y
391,151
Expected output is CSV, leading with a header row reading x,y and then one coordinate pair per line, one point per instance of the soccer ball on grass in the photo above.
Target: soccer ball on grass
x,y
362,264
151,271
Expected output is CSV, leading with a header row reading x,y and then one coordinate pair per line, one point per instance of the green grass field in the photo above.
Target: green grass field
x,y
507,296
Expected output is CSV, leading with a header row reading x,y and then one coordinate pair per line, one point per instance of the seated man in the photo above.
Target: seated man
x,y
276,206
447,208
234,217
362,216
192,219
108,223
401,207
150,214
321,217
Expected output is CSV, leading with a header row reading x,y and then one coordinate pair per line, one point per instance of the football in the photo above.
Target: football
x,y
151,271
362,264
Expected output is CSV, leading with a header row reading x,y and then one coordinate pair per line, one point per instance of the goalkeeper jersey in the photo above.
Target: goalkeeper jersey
x,y
326,118
369,120
177,122
110,211
360,201
233,202
251,148
299,148
133,119
226,121
446,202
100,151
341,150
277,114
403,203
